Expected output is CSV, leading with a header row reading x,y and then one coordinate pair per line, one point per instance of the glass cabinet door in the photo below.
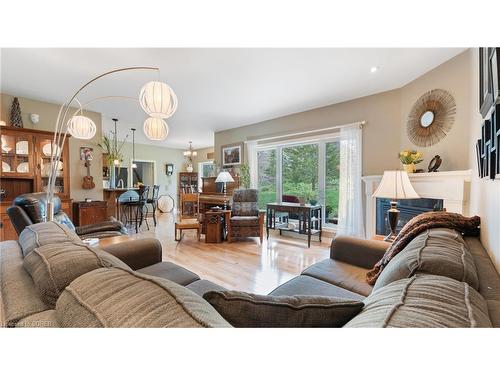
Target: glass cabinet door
x,y
17,151
44,145
8,154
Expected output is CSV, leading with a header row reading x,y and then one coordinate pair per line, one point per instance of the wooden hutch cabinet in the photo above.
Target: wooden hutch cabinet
x,y
188,183
25,159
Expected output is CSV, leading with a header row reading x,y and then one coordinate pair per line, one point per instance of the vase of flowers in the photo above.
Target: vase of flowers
x,y
410,158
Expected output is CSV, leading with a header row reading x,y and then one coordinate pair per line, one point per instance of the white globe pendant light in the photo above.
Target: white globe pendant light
x,y
81,127
155,129
158,99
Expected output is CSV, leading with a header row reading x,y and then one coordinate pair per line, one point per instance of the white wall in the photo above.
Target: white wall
x,y
485,193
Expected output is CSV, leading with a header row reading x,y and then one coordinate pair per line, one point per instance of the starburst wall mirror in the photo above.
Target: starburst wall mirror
x,y
431,118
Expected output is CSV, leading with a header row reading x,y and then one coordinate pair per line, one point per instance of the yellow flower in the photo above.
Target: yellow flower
x,y
406,153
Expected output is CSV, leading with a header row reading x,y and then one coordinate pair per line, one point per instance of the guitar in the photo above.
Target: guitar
x,y
88,180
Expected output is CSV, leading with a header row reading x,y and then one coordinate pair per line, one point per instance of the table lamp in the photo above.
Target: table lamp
x,y
224,177
395,185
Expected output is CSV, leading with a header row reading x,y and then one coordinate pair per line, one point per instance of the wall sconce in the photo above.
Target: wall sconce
x,y
35,118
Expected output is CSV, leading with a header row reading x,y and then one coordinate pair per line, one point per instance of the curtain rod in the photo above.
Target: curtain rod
x,y
360,123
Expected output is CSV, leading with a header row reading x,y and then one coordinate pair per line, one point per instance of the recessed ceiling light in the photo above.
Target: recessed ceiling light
x,y
373,69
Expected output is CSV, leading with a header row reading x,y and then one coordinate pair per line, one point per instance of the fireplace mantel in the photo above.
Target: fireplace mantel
x,y
453,187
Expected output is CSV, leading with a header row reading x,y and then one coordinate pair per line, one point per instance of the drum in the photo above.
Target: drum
x,y
166,203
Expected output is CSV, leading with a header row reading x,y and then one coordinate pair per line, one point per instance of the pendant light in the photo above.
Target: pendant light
x,y
157,99
190,153
81,127
155,129
133,165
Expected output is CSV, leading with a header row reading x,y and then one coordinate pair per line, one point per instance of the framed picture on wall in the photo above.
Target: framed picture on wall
x,y
232,154
495,129
479,148
495,74
86,153
485,80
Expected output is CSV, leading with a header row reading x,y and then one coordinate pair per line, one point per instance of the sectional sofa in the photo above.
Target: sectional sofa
x,y
49,278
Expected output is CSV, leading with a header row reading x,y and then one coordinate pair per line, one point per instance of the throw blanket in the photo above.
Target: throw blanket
x,y
468,226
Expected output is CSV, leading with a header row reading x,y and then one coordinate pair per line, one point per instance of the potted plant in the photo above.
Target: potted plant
x,y
410,158
245,176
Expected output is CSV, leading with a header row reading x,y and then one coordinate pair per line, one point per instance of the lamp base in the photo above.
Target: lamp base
x,y
393,216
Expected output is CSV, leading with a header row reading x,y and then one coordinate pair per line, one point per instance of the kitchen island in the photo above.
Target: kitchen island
x,y
111,196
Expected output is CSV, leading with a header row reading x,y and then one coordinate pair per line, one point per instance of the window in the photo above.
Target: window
x,y
300,172
144,173
205,169
266,162
306,171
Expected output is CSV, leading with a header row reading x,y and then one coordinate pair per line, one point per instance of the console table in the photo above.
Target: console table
x,y
309,219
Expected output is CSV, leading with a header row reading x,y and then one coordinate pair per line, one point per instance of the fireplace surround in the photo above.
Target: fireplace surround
x,y
448,190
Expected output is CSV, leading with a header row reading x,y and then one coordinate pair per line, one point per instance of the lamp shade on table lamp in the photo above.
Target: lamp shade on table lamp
x,y
224,177
395,185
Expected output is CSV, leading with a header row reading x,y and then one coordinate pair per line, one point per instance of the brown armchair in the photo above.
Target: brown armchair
x,y
246,220
29,209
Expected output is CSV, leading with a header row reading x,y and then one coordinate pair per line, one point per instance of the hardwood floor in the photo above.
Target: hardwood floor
x,y
242,265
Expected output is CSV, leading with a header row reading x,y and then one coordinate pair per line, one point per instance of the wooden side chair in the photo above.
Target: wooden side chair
x,y
188,222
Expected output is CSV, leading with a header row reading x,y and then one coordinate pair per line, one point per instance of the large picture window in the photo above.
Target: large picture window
x,y
266,164
301,172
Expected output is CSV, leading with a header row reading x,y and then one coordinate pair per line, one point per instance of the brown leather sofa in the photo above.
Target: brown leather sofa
x,y
30,209
439,280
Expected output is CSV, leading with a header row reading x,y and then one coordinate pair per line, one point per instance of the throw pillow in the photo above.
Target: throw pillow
x,y
54,266
247,310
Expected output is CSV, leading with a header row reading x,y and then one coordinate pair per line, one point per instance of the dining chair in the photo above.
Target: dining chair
x,y
135,207
153,201
188,222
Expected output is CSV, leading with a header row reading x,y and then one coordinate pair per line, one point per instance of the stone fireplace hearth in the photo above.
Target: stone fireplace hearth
x,y
451,188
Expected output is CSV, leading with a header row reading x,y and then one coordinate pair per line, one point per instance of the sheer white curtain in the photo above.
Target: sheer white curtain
x,y
351,220
251,147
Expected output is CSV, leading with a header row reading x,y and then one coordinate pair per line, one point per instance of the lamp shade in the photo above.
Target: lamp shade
x,y
158,99
224,177
81,127
395,185
155,129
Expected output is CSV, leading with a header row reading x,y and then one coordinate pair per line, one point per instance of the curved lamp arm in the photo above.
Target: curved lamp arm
x,y
61,132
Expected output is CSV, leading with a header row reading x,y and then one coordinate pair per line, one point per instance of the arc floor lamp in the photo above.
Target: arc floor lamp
x,y
156,98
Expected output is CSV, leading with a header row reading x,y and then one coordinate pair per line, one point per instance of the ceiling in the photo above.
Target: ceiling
x,y
217,89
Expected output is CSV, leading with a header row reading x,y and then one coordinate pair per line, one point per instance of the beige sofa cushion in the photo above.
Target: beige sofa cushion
x,y
344,275
112,297
245,310
436,252
40,234
425,301
19,296
54,266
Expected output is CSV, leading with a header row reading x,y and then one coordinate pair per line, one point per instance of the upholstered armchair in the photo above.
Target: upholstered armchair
x,y
246,220
30,208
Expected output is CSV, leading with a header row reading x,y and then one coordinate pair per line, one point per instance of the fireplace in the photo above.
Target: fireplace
x,y
408,208
451,189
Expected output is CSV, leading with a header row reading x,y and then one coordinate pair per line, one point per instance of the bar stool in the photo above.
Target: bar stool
x,y
153,201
